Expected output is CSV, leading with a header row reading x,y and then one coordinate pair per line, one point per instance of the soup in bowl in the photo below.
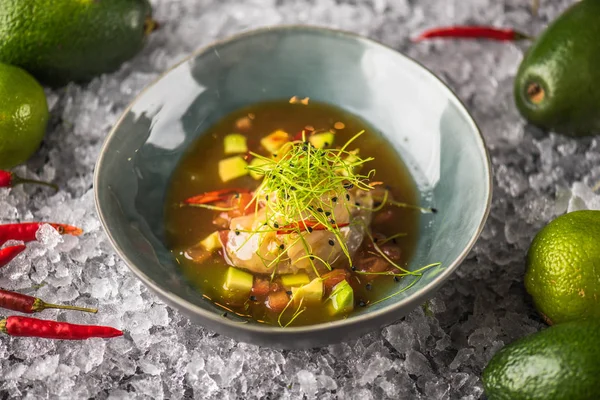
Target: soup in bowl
x,y
294,186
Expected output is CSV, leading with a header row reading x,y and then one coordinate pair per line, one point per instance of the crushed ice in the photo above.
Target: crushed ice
x,y
438,356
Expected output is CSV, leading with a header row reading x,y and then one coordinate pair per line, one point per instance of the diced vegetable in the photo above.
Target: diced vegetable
x,y
257,162
276,301
274,141
283,150
310,293
294,279
238,281
211,242
232,168
261,287
322,140
334,277
235,144
351,158
341,299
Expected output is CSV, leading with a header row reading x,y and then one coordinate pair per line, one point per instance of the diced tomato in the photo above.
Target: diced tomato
x,y
261,287
242,204
197,254
275,287
277,301
372,264
334,277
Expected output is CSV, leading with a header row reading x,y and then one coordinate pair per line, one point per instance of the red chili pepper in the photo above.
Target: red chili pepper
x,y
300,134
7,254
307,225
214,196
33,327
29,304
9,179
25,231
472,32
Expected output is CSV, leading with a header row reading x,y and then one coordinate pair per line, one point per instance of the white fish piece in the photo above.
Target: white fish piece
x,y
257,248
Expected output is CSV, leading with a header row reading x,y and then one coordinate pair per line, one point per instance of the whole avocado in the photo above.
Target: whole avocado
x,y
557,84
560,362
59,41
562,275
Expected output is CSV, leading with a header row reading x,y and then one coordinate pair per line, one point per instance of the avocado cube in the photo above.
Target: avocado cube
x,y
238,281
309,293
235,144
257,162
350,159
292,280
211,242
322,140
232,168
342,298
274,141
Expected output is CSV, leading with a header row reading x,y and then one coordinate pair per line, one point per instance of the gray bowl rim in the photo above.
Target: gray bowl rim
x,y
350,322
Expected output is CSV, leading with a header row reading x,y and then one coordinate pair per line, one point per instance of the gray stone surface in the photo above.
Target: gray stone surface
x,y
434,356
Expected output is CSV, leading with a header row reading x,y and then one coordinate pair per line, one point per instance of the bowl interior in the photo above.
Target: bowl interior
x,y
416,113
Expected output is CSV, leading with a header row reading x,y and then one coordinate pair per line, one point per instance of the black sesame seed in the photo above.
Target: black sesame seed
x,y
348,186
434,210
267,197
304,148
237,232
331,242
282,246
376,204
334,199
276,225
353,268
293,188
289,292
309,229
275,155
320,209
332,221
362,304
326,144
327,213
224,315
396,279
369,286
252,298
394,241
347,197
357,204
312,257
375,240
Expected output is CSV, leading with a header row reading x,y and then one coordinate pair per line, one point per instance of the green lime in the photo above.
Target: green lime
x,y
23,116
563,267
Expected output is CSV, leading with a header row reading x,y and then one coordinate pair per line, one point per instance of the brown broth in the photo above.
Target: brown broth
x,y
197,173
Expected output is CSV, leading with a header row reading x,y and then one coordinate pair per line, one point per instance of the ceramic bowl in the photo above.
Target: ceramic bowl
x,y
418,115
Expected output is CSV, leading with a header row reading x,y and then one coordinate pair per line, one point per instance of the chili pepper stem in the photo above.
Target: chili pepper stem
x,y
17,180
39,305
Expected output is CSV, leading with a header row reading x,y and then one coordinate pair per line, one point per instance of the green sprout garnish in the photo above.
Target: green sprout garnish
x,y
303,185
